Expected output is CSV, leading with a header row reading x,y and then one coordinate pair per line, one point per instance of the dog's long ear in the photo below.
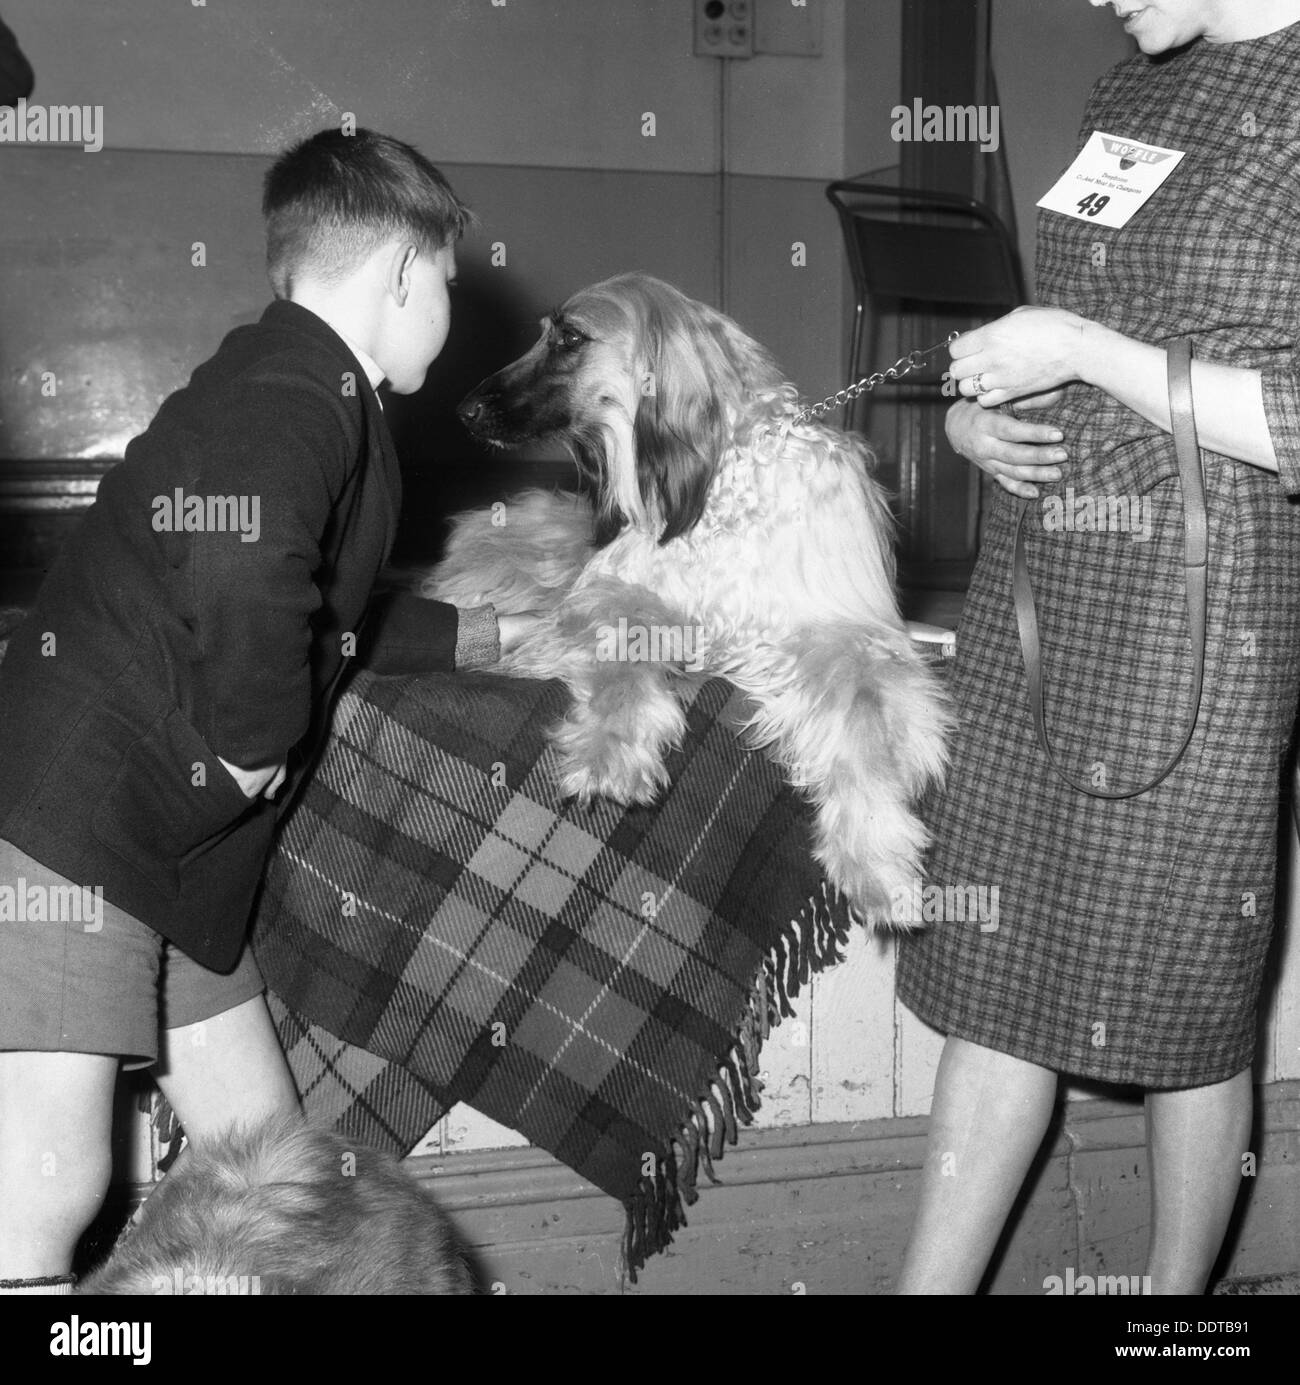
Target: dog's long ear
x,y
590,448
697,368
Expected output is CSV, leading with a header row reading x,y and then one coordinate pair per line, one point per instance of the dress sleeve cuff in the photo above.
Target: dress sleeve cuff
x,y
1281,388
478,639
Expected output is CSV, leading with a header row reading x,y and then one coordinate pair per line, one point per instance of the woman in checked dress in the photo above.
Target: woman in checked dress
x,y
1131,934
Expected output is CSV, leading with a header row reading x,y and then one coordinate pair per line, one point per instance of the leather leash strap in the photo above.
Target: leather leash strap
x,y
1195,554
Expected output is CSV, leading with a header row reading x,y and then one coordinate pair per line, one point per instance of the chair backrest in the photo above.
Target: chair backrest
x,y
926,247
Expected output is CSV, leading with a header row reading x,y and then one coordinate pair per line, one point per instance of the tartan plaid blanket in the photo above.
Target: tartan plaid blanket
x,y
434,927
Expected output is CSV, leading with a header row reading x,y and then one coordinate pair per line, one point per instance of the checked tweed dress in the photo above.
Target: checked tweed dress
x,y
1131,936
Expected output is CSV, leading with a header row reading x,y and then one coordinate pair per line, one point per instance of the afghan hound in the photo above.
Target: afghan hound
x,y
726,537
285,1208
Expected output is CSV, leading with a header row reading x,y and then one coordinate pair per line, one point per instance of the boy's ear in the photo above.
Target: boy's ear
x,y
397,277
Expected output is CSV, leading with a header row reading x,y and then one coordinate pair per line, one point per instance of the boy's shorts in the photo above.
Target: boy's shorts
x,y
95,979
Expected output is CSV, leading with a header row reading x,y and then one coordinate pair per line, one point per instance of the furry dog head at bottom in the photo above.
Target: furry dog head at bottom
x,y
645,386
285,1208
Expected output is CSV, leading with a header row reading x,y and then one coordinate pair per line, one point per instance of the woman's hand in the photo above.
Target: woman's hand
x,y
1013,451
1033,350
1028,352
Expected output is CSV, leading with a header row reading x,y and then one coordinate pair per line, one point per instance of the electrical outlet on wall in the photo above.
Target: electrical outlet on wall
x,y
724,28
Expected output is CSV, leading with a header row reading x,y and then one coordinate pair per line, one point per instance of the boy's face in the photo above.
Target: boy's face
x,y
417,316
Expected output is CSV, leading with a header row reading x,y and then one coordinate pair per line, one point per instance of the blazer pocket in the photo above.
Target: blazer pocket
x,y
159,807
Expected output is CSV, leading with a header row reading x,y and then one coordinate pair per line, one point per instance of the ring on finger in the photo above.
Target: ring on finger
x,y
978,385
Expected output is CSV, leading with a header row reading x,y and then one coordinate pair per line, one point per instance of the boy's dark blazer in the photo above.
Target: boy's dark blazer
x,y
149,652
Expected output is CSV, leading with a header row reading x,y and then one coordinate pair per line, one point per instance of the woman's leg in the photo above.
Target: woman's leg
x,y
1196,1139
988,1118
56,1116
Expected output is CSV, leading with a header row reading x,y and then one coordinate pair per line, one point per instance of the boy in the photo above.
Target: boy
x,y
176,669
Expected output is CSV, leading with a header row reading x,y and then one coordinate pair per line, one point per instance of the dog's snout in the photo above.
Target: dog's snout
x,y
472,409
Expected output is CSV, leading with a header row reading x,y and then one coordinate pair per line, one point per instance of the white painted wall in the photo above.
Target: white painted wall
x,y
530,83
507,96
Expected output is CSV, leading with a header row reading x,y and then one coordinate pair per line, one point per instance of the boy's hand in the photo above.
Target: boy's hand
x,y
940,635
513,629
257,781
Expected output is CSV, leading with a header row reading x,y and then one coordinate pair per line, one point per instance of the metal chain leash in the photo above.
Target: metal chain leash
x,y
912,361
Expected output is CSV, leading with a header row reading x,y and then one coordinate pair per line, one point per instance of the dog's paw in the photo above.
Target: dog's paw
x,y
619,775
864,885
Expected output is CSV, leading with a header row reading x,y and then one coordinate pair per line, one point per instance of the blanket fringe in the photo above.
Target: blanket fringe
x,y
657,1206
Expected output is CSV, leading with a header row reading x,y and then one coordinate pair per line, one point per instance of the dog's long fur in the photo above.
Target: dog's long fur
x,y
714,511
287,1208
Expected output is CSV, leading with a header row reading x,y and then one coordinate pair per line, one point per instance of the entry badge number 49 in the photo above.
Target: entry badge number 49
x,y
1111,180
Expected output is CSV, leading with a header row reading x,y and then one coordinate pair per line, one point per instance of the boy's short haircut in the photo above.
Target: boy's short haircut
x,y
333,199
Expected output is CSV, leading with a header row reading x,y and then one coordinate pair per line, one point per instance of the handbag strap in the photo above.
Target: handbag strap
x,y
1195,555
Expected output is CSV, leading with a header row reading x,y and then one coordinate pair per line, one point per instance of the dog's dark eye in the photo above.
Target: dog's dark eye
x,y
571,338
